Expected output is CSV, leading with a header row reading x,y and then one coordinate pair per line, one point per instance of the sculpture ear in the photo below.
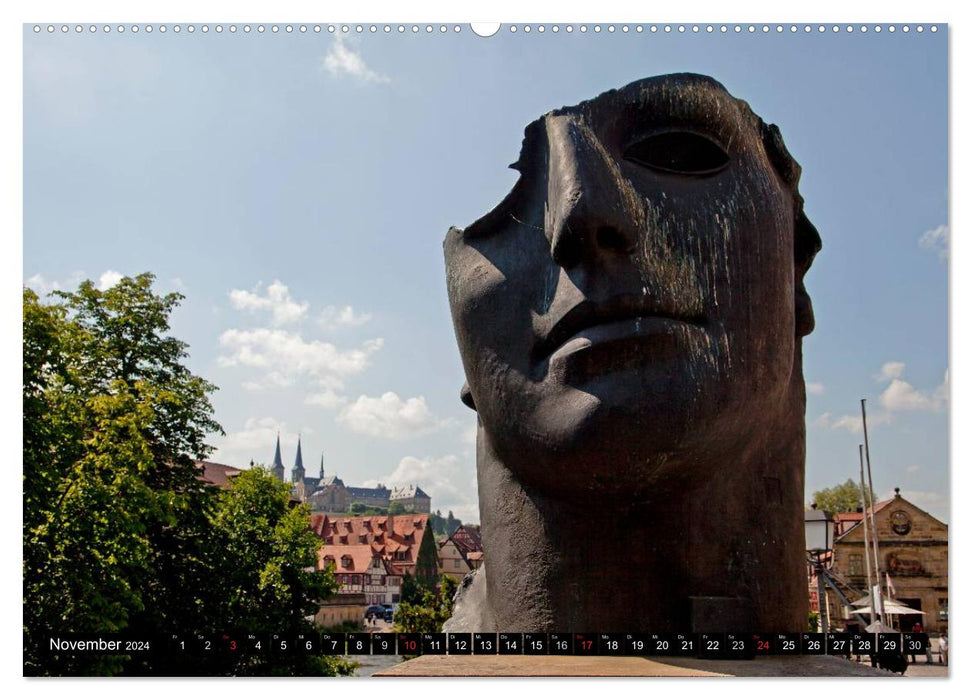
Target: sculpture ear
x,y
466,396
807,244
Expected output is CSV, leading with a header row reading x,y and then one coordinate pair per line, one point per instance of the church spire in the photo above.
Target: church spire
x,y
298,471
321,466
278,469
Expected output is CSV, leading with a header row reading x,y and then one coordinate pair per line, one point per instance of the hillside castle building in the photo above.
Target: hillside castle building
x,y
330,495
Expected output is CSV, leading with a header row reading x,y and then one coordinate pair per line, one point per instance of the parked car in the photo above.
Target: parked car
x,y
388,615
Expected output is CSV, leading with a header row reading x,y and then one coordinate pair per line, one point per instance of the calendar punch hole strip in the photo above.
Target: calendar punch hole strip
x,y
522,29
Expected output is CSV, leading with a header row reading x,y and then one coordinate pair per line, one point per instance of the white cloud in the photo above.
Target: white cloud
x,y
936,239
898,396
448,480
43,286
891,370
341,60
257,434
327,398
278,301
256,441
332,318
470,434
914,468
286,357
814,388
851,423
108,279
902,396
390,417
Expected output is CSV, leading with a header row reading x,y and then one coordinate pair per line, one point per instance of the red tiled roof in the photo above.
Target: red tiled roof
x,y
217,474
467,539
360,558
346,533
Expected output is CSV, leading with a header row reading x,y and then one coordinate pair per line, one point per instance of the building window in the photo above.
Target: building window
x,y
856,565
356,580
346,562
942,609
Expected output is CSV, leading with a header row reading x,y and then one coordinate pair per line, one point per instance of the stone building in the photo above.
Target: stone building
x,y
331,495
379,497
412,497
912,547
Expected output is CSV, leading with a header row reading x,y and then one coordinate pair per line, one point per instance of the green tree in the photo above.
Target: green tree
x,y
842,498
426,563
411,590
452,524
112,421
431,612
119,533
266,558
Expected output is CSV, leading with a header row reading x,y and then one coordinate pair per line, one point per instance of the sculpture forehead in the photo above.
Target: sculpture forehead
x,y
689,100
677,98
674,91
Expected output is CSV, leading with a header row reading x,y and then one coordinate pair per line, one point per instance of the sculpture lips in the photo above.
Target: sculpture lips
x,y
611,320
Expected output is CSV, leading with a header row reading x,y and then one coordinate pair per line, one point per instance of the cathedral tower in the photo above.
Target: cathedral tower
x,y
278,469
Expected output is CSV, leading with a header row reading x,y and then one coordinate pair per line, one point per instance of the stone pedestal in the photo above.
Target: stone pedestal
x,y
628,666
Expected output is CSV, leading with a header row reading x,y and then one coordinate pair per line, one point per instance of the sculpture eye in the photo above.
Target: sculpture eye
x,y
682,152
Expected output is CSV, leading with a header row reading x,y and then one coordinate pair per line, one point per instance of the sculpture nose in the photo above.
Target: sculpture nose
x,y
588,204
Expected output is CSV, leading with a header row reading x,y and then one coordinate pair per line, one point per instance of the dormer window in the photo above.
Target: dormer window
x,y
347,562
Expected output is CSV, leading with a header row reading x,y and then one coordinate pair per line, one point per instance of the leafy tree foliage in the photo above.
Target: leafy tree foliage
x,y
452,523
411,590
842,498
443,526
119,532
265,560
431,612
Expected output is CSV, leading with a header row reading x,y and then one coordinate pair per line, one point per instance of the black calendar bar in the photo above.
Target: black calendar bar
x,y
739,646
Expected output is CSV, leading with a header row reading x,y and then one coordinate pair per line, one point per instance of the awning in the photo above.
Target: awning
x,y
890,609
865,600
878,627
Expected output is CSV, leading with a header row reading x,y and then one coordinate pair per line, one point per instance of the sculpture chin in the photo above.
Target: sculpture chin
x,y
583,444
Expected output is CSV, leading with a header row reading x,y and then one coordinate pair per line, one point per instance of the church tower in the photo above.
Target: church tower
x,y
321,467
278,470
296,476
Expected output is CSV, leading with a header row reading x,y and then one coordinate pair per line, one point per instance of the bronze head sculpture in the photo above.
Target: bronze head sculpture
x,y
630,320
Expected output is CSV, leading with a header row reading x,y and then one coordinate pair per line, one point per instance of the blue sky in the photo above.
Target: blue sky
x,y
297,187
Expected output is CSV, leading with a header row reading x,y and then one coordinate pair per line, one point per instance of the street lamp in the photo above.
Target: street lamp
x,y
819,530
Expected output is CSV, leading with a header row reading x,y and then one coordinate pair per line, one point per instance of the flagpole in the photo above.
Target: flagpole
x,y
866,542
873,522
